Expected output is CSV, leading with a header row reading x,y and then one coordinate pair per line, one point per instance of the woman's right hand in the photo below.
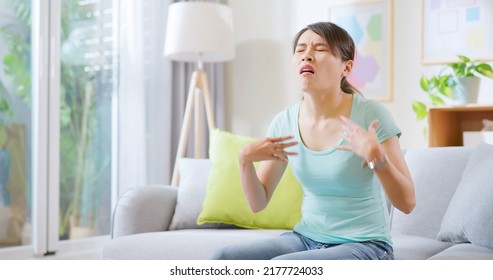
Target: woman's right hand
x,y
267,149
259,186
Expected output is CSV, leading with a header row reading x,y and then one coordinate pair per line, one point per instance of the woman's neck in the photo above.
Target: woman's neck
x,y
326,106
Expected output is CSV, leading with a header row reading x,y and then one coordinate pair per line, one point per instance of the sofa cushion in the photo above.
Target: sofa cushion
x,y
192,244
191,193
465,251
469,217
435,181
411,247
143,209
225,201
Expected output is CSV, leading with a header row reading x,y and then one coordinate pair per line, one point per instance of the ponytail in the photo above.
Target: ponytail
x,y
347,87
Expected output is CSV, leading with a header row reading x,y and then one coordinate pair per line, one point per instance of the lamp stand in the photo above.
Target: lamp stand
x,y
199,88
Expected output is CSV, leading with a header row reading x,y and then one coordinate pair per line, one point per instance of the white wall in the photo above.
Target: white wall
x,y
260,82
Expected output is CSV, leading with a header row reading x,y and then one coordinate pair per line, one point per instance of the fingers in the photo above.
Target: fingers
x,y
279,158
344,147
281,151
275,147
280,139
287,145
360,140
373,126
279,146
344,135
351,126
282,155
349,123
267,149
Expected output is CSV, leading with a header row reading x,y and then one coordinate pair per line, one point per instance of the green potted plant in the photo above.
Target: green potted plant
x,y
458,81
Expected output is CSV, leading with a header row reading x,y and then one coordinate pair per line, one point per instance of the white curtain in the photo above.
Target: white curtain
x,y
144,94
152,95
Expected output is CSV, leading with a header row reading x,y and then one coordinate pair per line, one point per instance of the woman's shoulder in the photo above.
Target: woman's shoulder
x,y
369,105
289,113
285,121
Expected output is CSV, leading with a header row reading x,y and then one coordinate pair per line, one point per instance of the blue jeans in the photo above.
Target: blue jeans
x,y
294,246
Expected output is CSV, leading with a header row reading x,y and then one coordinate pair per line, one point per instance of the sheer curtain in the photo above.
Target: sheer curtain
x,y
152,96
144,94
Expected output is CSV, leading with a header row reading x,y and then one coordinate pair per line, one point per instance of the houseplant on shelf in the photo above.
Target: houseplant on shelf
x,y
457,81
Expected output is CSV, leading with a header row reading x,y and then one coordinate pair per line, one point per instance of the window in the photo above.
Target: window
x,y
56,130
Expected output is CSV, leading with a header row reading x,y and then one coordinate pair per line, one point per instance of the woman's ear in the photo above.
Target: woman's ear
x,y
348,66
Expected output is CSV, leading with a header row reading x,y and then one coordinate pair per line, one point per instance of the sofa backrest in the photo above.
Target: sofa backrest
x,y
436,172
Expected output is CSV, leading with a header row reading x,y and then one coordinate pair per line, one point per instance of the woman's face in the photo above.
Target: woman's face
x,y
317,68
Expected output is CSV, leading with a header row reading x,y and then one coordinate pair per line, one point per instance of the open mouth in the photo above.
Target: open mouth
x,y
307,69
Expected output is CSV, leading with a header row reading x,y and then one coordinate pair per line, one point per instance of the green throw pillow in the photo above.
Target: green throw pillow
x,y
225,202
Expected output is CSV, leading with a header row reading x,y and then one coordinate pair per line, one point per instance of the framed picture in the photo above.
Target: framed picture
x,y
370,25
459,27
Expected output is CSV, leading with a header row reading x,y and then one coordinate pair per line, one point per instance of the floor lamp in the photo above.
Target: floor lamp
x,y
197,32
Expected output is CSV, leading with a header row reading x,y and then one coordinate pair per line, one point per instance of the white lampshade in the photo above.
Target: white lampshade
x,y
199,32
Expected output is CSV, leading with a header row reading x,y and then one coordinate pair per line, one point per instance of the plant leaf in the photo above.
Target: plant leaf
x,y
485,70
445,79
444,85
445,90
4,105
464,58
436,100
420,109
424,83
456,68
462,70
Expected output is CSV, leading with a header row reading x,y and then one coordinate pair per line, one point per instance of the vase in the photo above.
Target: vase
x,y
466,91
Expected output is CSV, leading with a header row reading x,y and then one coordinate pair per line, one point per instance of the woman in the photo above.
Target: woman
x,y
336,142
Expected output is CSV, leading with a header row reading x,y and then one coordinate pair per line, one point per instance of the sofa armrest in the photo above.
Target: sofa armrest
x,y
144,209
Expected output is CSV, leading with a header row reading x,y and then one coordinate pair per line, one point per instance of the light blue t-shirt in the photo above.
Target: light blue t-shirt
x,y
342,202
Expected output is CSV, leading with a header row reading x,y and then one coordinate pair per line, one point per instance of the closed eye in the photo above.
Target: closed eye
x,y
321,47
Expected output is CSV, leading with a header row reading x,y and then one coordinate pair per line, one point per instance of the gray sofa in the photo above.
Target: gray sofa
x,y
452,218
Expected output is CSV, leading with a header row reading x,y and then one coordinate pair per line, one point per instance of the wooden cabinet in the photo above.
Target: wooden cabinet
x,y
446,123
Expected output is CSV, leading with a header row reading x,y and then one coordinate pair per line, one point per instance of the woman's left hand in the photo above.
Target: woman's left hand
x,y
364,143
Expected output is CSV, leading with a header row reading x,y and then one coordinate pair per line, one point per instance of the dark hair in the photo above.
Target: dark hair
x,y
340,43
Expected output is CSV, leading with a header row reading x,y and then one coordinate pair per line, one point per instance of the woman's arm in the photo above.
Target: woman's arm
x,y
259,186
394,175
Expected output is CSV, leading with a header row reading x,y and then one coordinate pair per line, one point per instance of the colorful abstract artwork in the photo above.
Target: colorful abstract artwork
x,y
453,27
368,23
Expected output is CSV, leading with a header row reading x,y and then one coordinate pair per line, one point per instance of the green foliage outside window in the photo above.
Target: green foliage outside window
x,y
83,167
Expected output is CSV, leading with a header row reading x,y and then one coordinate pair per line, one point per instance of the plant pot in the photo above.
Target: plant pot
x,y
82,232
26,233
466,91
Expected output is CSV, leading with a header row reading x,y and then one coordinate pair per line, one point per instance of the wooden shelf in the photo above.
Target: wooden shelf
x,y
446,123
